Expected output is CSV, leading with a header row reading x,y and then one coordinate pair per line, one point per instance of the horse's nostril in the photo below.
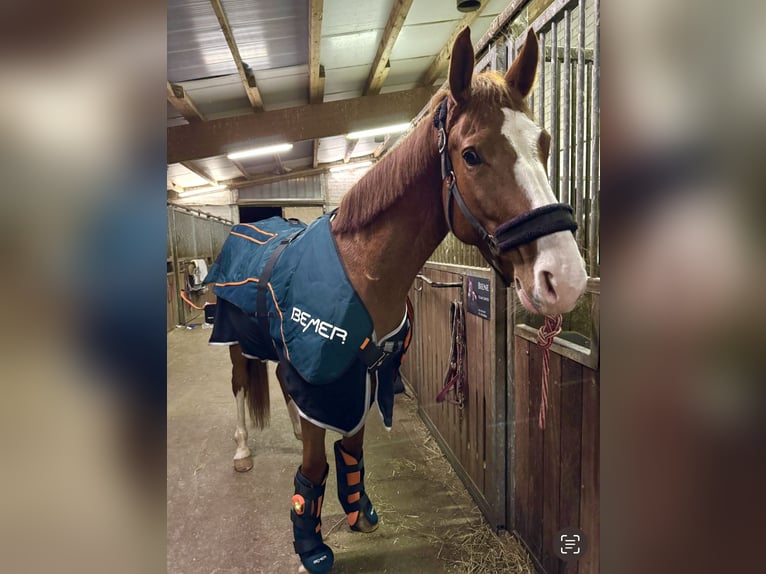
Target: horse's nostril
x,y
548,284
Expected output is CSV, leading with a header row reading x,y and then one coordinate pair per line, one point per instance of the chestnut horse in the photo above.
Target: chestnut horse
x,y
480,150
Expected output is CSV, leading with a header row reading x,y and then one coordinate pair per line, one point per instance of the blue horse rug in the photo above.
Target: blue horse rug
x,y
283,295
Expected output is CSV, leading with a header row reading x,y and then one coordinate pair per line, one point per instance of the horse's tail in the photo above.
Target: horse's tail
x,y
257,393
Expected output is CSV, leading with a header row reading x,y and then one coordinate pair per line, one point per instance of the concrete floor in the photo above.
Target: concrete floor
x,y
223,522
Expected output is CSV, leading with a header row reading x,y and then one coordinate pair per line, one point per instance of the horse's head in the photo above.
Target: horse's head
x,y
505,205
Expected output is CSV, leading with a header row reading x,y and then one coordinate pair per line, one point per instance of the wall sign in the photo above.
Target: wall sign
x,y
477,294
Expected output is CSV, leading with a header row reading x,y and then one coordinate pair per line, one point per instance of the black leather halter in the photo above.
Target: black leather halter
x,y
512,234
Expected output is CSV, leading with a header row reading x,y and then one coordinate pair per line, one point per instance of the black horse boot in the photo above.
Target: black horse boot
x,y
355,502
306,514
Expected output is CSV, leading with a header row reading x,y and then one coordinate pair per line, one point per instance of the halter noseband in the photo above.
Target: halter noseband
x,y
518,231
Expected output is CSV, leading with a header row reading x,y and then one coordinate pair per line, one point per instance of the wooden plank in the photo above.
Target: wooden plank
x,y
571,433
381,65
590,500
475,391
535,478
551,466
245,73
440,61
316,70
217,137
181,101
521,423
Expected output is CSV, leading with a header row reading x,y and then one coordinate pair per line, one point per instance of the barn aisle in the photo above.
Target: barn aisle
x,y
223,522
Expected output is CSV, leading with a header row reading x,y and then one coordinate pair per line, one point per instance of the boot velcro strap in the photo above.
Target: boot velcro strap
x,y
304,522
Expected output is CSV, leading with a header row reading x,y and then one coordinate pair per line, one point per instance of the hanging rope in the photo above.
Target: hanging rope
x,y
545,335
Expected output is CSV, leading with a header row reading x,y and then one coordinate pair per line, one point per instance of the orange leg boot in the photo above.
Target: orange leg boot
x,y
357,506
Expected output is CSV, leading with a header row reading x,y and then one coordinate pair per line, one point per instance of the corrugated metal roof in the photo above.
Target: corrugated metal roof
x,y
331,149
219,168
182,177
284,87
196,45
270,34
344,17
407,71
350,49
218,97
422,40
349,81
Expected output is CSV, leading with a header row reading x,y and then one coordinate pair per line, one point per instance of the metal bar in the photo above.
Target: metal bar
x,y
566,187
436,284
595,140
555,140
551,12
580,126
541,92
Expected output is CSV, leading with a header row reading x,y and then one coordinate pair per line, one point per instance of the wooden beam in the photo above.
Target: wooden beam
x,y
316,70
241,168
315,162
218,137
381,148
281,169
199,172
381,65
437,67
350,146
183,103
245,73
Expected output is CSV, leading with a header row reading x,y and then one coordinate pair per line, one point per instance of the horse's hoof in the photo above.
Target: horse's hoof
x,y
243,464
364,525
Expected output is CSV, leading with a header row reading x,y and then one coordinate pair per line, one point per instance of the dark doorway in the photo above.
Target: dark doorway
x,y
251,213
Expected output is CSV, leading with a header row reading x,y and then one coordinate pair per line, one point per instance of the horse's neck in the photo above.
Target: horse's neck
x,y
383,257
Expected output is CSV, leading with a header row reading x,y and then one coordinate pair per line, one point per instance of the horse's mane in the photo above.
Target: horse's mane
x,y
384,184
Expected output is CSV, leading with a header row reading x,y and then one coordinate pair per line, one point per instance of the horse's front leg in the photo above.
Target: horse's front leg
x,y
306,509
243,460
349,463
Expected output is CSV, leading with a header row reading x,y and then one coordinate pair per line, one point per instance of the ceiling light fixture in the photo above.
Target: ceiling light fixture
x,y
347,166
394,129
255,152
201,191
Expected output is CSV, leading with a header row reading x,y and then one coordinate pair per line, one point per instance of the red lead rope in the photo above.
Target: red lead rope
x,y
545,335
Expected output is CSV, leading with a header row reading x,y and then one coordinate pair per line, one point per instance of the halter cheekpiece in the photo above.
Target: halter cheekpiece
x,y
518,231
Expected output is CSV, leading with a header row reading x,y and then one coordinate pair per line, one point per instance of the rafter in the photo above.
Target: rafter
x,y
316,70
381,148
440,61
245,73
199,172
350,146
180,100
381,65
218,137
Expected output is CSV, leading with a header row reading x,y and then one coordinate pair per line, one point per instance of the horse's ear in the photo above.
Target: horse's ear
x,y
461,67
521,74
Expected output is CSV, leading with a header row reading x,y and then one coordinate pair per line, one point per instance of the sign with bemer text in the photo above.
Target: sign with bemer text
x,y
477,296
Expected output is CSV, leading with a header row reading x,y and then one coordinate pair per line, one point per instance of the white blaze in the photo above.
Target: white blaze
x,y
557,253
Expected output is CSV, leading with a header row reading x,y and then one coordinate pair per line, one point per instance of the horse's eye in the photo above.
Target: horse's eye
x,y
471,157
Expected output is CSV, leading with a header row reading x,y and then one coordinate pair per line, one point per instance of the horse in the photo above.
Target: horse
x,y
479,149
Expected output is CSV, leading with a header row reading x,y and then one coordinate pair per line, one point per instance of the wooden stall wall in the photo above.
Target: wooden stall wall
x,y
473,438
556,470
